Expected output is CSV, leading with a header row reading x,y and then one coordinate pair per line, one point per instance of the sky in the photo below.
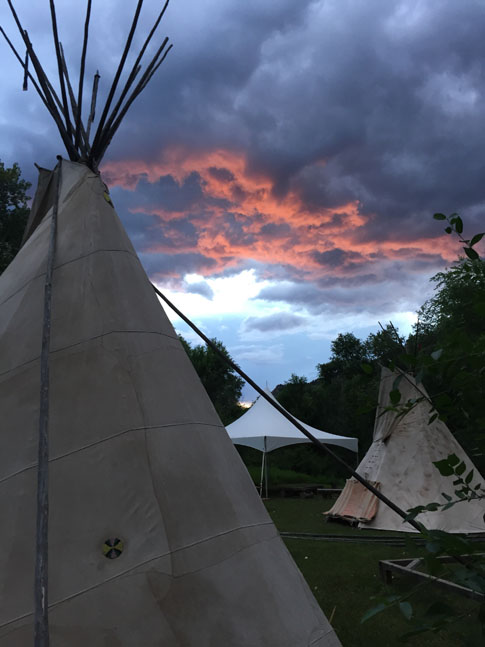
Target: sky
x,y
279,174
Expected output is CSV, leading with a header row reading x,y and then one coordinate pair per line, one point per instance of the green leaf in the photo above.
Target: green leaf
x,y
367,368
395,396
453,459
476,239
460,468
432,418
448,230
406,609
471,253
458,225
469,477
439,216
444,467
446,496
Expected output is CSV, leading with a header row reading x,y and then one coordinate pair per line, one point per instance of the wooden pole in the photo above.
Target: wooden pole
x,y
81,76
321,446
41,580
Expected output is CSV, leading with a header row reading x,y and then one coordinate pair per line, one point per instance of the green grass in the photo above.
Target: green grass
x,y
278,476
344,577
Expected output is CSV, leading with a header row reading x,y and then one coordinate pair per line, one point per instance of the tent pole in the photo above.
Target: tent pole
x,y
266,467
261,476
266,473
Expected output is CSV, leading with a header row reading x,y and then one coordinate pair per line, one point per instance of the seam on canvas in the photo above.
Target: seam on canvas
x,y
112,437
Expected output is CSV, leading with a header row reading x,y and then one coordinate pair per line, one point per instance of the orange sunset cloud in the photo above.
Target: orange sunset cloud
x,y
238,217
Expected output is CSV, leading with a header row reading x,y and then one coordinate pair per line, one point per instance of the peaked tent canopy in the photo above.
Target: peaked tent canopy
x,y
400,463
264,428
156,535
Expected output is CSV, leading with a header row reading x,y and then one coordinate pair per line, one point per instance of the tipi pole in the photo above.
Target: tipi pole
x,y
82,145
59,66
41,589
322,447
81,76
114,85
135,69
92,112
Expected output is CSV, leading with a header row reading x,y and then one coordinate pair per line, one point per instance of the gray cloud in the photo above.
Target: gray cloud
x,y
378,103
202,288
279,321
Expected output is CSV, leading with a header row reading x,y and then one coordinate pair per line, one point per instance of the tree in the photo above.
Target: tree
x,y
348,352
13,212
385,346
222,384
451,337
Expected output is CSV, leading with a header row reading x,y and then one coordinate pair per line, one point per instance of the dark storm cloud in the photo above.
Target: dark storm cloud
x,y
377,102
341,297
275,230
166,193
283,321
221,174
389,94
372,104
337,258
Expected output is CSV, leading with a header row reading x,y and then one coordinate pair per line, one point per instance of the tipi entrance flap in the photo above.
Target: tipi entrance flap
x,y
356,502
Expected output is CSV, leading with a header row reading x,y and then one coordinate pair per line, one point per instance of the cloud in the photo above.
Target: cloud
x,y
310,141
279,321
272,354
200,287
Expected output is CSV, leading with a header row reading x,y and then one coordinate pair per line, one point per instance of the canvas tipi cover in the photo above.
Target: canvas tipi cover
x,y
400,464
141,469
264,428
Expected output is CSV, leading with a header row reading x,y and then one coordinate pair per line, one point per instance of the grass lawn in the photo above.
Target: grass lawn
x,y
345,576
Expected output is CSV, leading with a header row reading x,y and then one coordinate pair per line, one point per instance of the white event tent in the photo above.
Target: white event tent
x,y
264,428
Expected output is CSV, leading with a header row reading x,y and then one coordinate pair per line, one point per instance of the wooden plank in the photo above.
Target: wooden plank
x,y
405,567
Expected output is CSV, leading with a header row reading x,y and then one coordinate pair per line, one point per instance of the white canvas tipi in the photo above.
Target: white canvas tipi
x,y
156,534
400,464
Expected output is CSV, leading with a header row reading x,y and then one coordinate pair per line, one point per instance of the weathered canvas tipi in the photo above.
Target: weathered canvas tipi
x,y
400,464
156,535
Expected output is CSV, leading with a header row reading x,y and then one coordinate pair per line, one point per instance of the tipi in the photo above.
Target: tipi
x,y
156,535
400,464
